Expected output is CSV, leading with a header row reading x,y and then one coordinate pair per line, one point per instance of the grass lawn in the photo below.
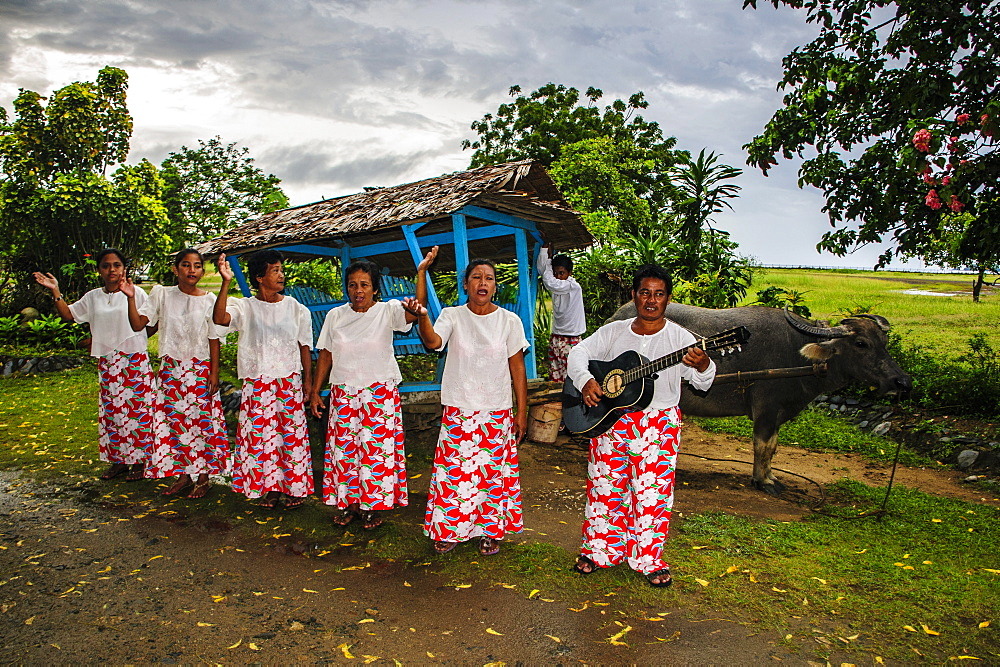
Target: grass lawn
x,y
924,579
942,323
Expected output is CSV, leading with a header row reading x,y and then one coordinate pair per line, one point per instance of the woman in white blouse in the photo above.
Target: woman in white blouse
x,y
364,469
191,439
125,419
475,490
275,334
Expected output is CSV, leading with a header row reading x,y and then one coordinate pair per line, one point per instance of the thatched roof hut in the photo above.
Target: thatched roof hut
x,y
485,196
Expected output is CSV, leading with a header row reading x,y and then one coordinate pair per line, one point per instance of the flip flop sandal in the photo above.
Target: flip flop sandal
x,y
136,474
115,470
200,490
344,519
177,487
370,520
442,547
582,562
489,546
270,501
665,572
294,502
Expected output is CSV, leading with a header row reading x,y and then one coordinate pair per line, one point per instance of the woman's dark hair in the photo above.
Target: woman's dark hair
x,y
258,262
112,251
652,271
179,257
564,261
478,262
373,274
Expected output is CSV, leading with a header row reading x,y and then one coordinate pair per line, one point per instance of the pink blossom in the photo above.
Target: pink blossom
x,y
933,200
929,180
985,117
926,170
953,144
922,140
946,180
955,205
962,118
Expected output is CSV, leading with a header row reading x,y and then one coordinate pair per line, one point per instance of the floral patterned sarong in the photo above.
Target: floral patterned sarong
x,y
272,444
190,428
475,490
365,462
125,415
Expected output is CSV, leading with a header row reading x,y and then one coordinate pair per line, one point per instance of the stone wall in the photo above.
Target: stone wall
x,y
29,365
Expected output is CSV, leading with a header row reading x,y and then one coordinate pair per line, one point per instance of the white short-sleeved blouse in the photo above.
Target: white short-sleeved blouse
x,y
185,322
270,335
476,372
107,315
361,343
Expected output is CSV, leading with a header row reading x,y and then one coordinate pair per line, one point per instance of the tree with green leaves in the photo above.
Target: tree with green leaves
x,y
896,106
58,204
214,187
611,163
702,194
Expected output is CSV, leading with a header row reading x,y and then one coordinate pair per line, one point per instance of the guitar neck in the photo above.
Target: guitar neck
x,y
656,365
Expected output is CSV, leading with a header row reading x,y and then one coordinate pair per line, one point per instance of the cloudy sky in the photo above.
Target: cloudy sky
x,y
335,96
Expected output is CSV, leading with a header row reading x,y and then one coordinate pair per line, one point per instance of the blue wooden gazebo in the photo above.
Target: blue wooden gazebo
x,y
499,212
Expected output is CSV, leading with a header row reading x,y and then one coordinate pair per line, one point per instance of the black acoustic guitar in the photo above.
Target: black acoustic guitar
x,y
628,386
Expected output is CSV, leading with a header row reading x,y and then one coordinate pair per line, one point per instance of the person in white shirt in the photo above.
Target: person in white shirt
x,y
475,490
569,321
364,468
273,359
191,440
630,476
125,404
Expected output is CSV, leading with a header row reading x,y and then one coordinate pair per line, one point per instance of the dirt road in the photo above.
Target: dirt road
x,y
94,574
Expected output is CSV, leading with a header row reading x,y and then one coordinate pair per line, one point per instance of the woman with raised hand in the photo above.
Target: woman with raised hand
x,y
475,490
190,440
125,415
272,459
364,469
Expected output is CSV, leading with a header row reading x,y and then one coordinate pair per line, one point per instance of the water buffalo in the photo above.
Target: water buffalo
x,y
854,351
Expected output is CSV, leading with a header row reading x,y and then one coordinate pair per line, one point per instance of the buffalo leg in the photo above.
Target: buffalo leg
x,y
765,444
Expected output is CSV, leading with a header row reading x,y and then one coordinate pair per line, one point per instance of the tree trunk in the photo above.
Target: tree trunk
x,y
977,285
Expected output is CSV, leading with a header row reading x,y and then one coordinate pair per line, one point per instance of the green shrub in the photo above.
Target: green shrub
x,y
45,332
321,274
966,384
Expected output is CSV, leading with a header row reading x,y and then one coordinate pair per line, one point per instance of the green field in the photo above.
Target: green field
x,y
942,323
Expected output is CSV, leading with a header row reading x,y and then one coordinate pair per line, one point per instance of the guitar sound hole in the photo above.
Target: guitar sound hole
x,y
613,384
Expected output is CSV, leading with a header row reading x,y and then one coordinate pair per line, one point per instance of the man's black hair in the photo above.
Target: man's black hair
x,y
652,271
258,262
564,261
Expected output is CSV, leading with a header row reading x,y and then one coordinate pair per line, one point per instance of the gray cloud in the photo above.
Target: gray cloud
x,y
708,70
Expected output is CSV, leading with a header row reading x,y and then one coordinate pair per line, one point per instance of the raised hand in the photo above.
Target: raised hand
x,y
225,270
46,280
413,306
127,287
428,259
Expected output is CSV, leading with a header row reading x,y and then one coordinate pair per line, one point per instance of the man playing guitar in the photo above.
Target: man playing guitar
x,y
630,476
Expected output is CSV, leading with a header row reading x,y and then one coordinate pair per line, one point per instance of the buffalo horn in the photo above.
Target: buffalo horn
x,y
823,332
882,323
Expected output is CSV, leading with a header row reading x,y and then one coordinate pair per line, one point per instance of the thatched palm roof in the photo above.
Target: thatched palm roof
x,y
521,189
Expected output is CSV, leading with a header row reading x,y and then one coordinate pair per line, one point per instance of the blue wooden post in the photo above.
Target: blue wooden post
x,y
409,233
345,261
526,300
461,252
241,279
